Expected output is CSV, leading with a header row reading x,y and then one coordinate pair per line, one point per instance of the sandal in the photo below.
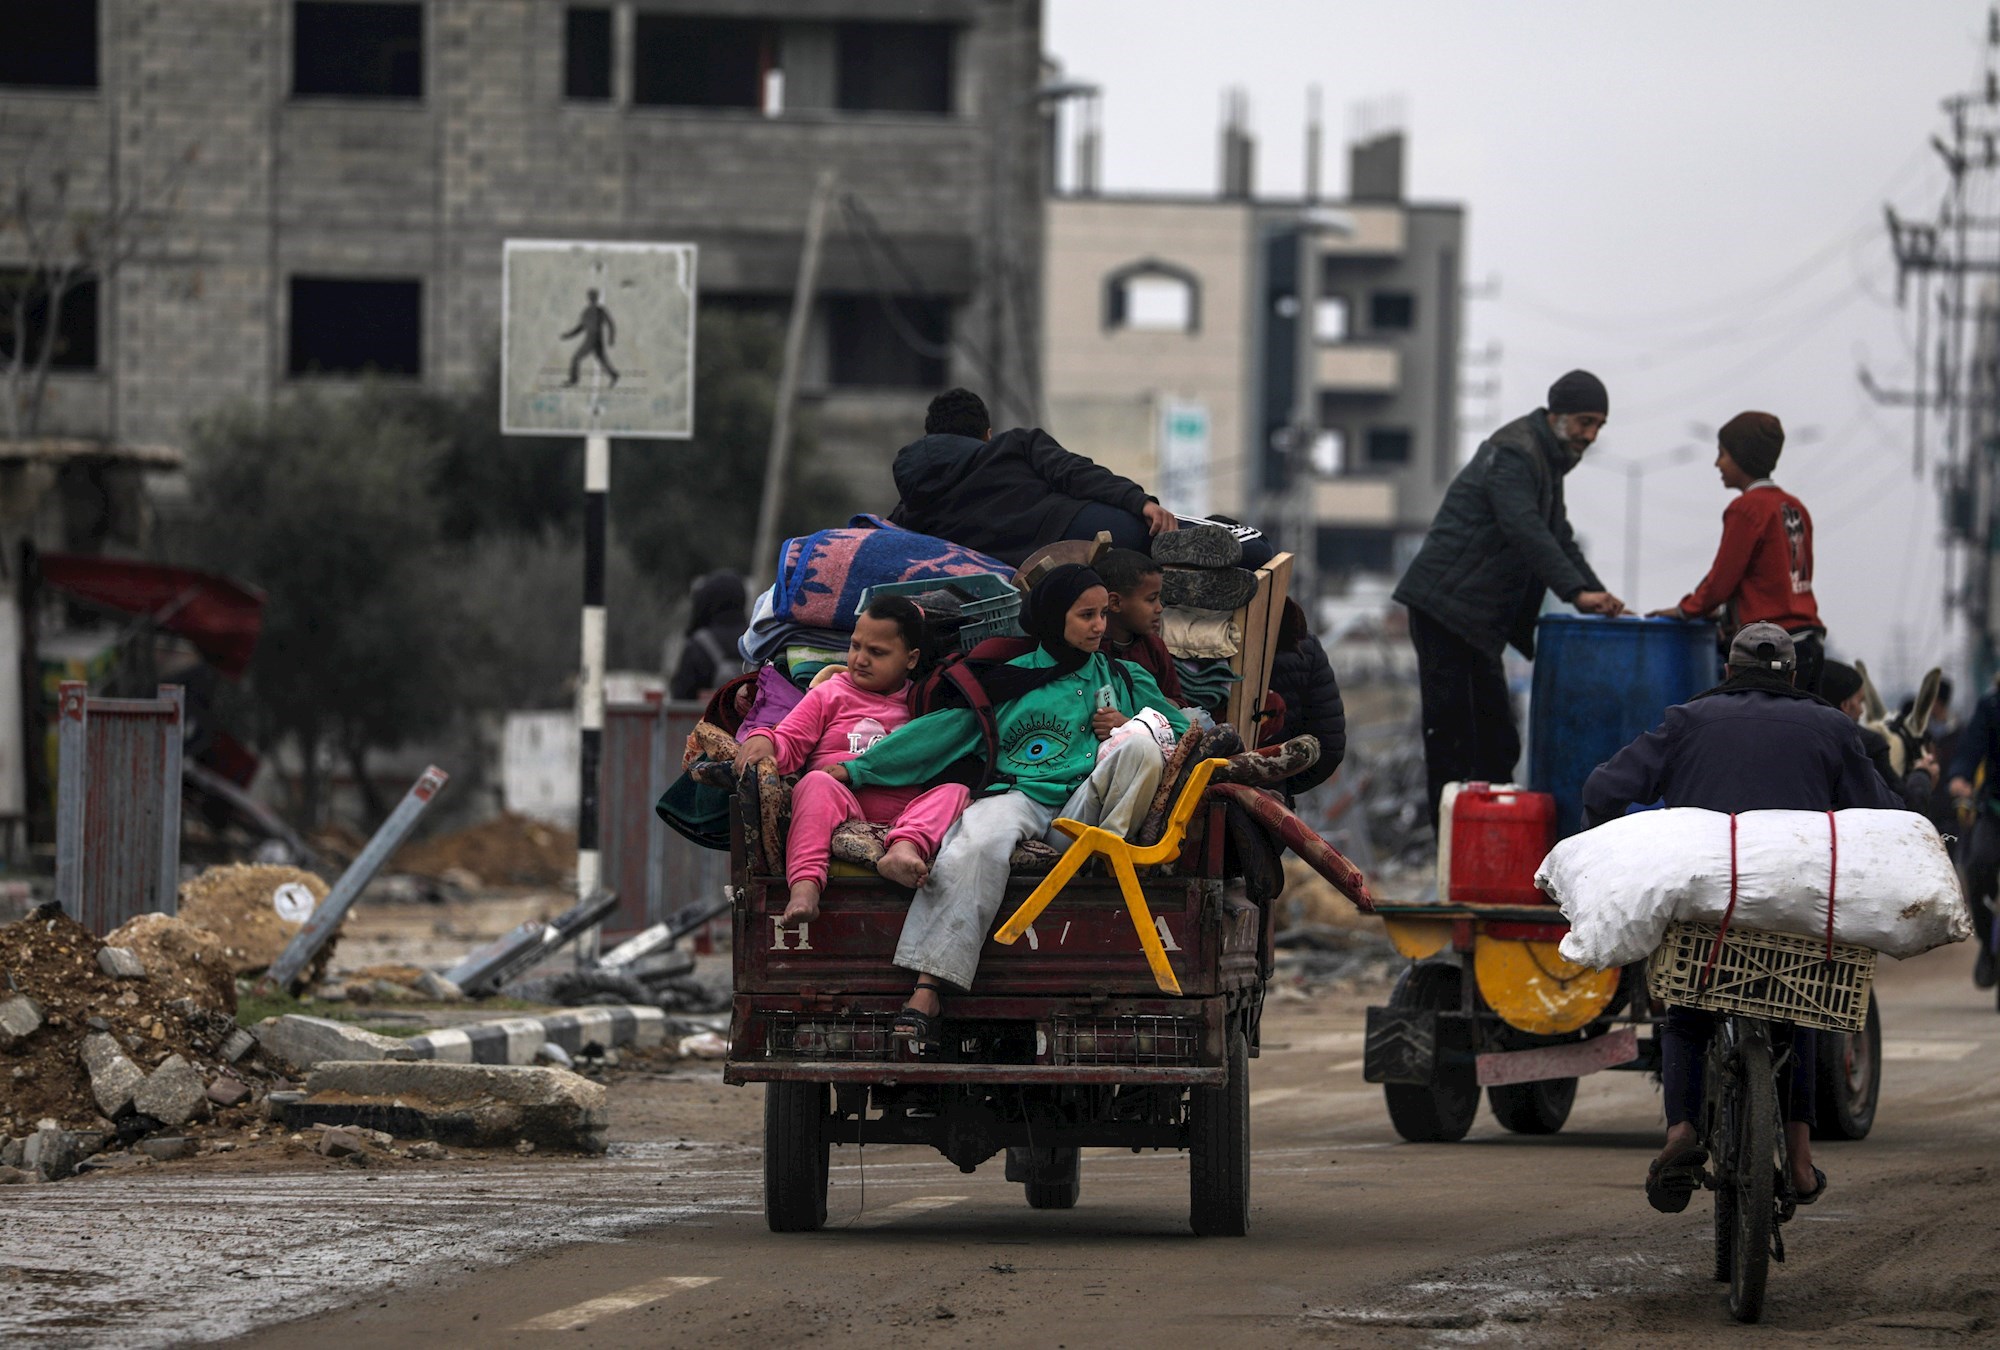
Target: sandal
x,y
1807,1197
920,1028
1672,1180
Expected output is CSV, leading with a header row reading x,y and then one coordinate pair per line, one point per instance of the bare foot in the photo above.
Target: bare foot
x,y
903,865
804,904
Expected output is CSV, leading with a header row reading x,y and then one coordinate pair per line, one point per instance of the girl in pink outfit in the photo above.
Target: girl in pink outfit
x,y
836,721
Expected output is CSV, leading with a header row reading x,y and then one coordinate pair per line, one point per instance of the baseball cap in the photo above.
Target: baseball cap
x,y
1763,646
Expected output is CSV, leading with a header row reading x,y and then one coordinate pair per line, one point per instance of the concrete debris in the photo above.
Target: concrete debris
x,y
226,1091
551,1053
237,1044
113,1077
341,1140
704,1045
303,1042
11,1151
428,1151
20,1018
15,1176
166,1147
474,1105
276,1102
120,963
51,1153
172,1094
438,989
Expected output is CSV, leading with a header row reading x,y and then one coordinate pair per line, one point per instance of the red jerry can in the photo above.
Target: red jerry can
x,y
1492,837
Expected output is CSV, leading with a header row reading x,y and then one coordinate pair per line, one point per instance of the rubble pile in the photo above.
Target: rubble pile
x,y
509,850
191,962
98,1051
236,904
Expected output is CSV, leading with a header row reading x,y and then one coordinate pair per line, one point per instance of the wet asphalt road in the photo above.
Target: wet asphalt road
x,y
1356,1238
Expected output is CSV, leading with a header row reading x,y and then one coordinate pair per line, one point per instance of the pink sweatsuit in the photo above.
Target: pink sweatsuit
x,y
831,725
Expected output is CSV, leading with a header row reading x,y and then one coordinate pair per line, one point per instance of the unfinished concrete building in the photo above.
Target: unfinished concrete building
x,y
317,189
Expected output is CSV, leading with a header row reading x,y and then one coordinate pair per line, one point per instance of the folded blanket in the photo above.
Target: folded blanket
x,y
1197,633
821,576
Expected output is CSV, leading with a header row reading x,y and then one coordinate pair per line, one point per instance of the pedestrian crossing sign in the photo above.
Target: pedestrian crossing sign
x,y
597,339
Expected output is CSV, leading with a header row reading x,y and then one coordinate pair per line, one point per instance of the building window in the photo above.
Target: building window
x,y
894,67
75,325
1330,318
1388,447
1329,452
350,326
701,63
48,44
1151,296
1392,311
346,49
900,342
586,54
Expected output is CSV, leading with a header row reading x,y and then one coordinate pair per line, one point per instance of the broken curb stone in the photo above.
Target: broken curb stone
x,y
475,1105
342,1140
121,963
304,1042
172,1094
51,1153
20,1018
237,1044
113,1077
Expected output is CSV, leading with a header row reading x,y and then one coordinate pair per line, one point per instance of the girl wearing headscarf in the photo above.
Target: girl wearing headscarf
x,y
1052,708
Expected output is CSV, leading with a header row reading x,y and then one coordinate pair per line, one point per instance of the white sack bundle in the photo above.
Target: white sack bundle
x,y
1622,883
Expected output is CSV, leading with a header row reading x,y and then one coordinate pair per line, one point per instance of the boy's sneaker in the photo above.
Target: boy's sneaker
x,y
1221,588
1198,546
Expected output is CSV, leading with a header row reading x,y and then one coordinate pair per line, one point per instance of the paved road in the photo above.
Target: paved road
x,y
1356,1238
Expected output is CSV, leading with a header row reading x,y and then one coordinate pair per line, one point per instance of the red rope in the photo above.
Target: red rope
x,y
1727,914
1832,875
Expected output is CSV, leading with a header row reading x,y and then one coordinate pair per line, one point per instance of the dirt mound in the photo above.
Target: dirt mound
x,y
509,850
234,903
53,960
187,961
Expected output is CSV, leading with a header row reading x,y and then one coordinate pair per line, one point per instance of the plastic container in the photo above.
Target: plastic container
x,y
1599,684
992,607
1492,838
1776,975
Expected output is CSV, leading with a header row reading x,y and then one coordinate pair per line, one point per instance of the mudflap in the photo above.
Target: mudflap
x,y
1404,1045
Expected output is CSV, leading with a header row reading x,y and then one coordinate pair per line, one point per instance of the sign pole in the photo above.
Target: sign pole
x,y
590,693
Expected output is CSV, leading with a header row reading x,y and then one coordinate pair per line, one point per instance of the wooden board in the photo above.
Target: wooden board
x,y
1259,621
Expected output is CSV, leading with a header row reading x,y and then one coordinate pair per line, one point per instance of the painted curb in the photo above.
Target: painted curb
x,y
517,1040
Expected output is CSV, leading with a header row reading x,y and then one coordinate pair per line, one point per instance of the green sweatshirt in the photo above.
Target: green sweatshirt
x,y
1047,747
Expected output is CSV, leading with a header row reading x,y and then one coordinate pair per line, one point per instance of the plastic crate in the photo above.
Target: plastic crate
x,y
1779,976
994,609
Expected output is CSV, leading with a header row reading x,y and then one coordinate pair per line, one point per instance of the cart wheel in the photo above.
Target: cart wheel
x,y
795,1156
1219,1150
1533,1108
1850,1078
1058,1194
1441,1110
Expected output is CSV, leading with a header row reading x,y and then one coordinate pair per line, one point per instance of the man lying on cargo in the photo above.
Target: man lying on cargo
x,y
1055,712
1755,742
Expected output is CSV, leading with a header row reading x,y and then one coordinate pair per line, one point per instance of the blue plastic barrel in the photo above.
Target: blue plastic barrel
x,y
1601,683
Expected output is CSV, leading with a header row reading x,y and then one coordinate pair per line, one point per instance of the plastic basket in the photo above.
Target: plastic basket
x,y
993,611
1775,975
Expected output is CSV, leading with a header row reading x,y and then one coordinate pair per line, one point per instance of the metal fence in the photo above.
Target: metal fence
x,y
654,871
118,805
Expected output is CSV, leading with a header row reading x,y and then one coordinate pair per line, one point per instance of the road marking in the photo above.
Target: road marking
x,y
1347,1066
1927,1049
1265,1096
1326,1040
903,1209
580,1315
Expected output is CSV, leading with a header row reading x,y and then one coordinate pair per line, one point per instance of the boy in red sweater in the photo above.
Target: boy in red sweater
x,y
1132,622
1764,566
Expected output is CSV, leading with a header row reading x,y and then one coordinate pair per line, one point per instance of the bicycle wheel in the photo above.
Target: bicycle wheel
x,y
1751,1117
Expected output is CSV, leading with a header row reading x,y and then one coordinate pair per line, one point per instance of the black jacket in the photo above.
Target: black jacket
x,y
1979,743
1500,538
1741,749
1913,787
1007,496
1303,677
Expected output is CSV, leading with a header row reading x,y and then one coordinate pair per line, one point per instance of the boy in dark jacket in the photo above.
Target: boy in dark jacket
x,y
1303,677
1008,495
1132,623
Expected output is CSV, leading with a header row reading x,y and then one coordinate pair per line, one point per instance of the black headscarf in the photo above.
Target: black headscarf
x,y
718,598
1043,615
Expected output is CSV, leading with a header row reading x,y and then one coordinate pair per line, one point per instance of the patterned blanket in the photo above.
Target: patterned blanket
x,y
821,576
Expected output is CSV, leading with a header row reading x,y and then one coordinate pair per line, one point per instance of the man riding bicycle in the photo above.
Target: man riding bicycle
x,y
1755,742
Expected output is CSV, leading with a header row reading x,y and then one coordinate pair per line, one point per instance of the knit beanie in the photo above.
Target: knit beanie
x,y
1838,682
1753,440
1579,392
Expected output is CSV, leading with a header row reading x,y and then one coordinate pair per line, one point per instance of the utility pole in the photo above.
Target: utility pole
x,y
1949,249
777,459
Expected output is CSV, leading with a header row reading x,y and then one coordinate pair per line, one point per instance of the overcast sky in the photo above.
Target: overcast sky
x,y
1685,198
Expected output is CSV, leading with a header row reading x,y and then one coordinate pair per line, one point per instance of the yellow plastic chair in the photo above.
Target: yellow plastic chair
x,y
1125,856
